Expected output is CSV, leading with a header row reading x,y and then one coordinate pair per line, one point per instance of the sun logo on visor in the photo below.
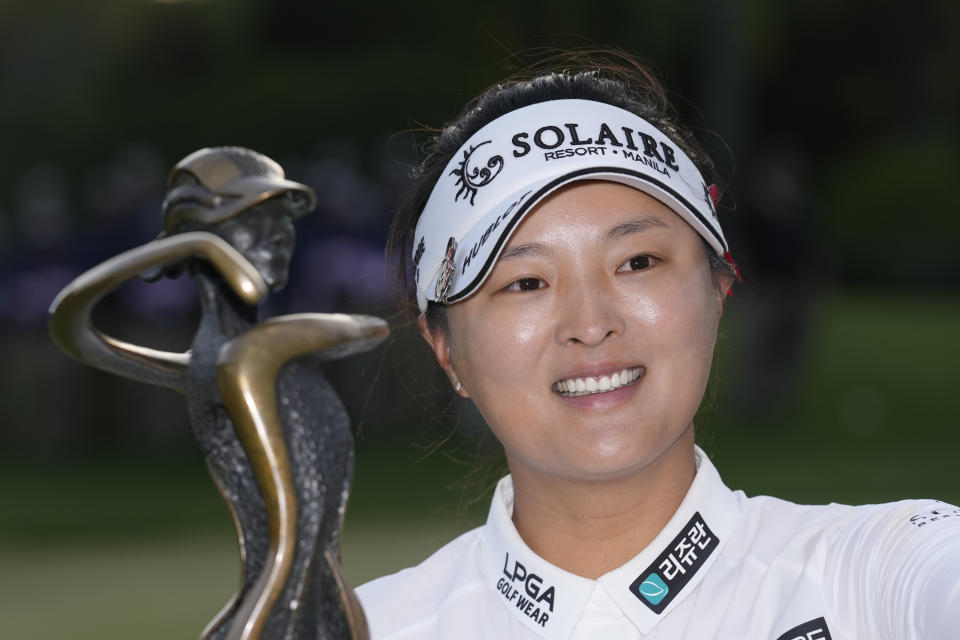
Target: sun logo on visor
x,y
472,178
445,275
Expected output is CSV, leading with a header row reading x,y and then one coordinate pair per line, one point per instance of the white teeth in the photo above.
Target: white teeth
x,y
584,386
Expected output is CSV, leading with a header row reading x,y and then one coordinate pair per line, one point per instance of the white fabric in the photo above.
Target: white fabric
x,y
778,571
515,161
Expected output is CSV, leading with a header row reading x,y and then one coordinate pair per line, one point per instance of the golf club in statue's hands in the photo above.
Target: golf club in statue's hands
x,y
275,436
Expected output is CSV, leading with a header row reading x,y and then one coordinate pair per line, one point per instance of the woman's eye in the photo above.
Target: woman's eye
x,y
525,284
638,263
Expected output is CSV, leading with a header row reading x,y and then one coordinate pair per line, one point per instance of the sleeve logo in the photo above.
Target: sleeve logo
x,y
942,511
676,565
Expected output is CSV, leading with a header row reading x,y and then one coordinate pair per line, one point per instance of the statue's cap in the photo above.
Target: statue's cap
x,y
214,184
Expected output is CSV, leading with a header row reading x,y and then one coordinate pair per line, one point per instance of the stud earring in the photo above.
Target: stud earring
x,y
459,387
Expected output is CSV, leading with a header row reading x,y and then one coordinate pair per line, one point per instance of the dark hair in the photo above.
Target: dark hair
x,y
612,77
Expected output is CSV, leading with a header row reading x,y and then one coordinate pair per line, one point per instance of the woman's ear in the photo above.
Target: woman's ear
x,y
439,343
724,281
724,289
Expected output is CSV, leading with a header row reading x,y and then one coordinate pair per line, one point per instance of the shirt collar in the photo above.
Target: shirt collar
x,y
550,601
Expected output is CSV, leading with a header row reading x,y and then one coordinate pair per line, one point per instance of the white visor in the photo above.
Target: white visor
x,y
512,163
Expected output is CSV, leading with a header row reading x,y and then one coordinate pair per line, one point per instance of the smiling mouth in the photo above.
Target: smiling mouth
x,y
600,384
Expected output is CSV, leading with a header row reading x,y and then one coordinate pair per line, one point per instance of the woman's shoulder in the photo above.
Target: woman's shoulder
x,y
769,522
412,596
443,565
917,511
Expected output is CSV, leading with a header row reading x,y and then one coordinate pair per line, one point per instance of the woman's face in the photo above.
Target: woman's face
x,y
588,348
264,234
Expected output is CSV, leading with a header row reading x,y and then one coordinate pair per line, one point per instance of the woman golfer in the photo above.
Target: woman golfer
x,y
570,271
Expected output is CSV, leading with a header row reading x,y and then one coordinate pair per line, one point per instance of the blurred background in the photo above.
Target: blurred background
x,y
835,123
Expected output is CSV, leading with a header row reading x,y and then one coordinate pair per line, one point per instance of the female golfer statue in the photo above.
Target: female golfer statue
x,y
275,436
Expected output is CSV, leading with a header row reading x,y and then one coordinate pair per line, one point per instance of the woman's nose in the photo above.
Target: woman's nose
x,y
589,315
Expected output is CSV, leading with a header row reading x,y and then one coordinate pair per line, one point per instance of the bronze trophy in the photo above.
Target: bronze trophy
x,y
275,436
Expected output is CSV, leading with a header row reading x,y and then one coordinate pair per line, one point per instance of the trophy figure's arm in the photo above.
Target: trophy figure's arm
x,y
247,371
72,329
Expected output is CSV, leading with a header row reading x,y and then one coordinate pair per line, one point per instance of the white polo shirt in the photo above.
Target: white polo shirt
x,y
724,567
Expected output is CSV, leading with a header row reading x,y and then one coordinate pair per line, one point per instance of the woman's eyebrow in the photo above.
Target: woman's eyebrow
x,y
637,225
524,250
